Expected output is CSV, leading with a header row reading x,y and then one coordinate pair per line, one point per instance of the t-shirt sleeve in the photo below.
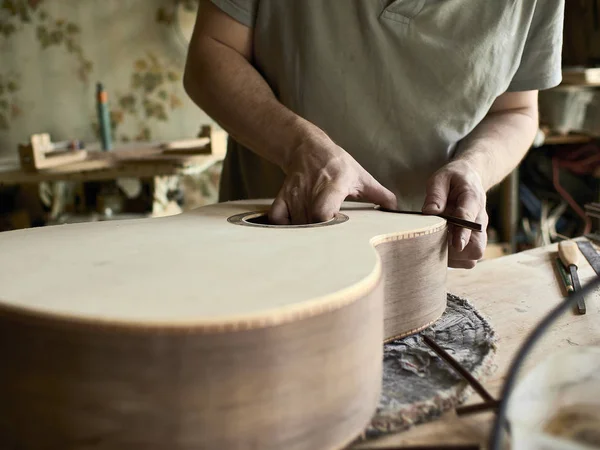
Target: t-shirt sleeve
x,y
244,11
541,61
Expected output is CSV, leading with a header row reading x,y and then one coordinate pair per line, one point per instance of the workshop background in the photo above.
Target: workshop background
x,y
54,52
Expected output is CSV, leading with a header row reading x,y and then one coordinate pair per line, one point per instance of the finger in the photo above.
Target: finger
x,y
327,203
278,213
297,206
459,264
437,191
461,238
467,207
457,234
474,250
374,192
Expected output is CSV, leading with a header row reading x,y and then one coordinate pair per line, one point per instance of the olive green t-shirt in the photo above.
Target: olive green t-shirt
x,y
396,83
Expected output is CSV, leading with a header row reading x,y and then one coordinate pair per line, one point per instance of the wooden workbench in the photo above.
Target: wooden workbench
x,y
130,161
514,292
138,160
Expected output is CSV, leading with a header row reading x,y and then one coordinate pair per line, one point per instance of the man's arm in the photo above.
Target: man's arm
x,y
487,155
499,143
220,79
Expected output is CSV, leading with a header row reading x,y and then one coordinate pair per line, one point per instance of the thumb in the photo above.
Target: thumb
x,y
375,193
438,188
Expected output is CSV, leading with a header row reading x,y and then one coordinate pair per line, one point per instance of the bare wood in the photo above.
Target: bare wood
x,y
141,160
102,166
253,337
569,253
186,144
514,292
38,154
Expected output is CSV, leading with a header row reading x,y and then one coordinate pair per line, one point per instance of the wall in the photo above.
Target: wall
x,y
53,52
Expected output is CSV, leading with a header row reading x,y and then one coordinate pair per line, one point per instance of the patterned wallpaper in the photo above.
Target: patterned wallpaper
x,y
53,52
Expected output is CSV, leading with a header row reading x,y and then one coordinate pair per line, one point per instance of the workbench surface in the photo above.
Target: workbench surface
x,y
514,292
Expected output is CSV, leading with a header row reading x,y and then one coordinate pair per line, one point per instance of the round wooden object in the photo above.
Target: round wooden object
x,y
194,331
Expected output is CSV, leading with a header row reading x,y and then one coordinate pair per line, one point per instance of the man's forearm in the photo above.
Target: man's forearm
x,y
228,88
497,145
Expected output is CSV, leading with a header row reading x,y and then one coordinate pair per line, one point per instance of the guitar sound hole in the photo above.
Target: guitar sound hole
x,y
261,219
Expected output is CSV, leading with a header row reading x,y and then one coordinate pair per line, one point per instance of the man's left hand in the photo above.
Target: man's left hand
x,y
456,189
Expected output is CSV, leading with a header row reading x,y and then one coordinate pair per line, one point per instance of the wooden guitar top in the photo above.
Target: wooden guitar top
x,y
198,269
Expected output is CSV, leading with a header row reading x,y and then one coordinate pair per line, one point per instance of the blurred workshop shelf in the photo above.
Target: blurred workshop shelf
x,y
135,160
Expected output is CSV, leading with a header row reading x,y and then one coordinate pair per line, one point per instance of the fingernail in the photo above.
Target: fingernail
x,y
463,244
432,206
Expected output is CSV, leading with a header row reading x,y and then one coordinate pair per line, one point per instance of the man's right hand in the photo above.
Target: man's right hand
x,y
320,175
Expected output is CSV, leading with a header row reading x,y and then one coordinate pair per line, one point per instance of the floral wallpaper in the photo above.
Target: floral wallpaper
x,y
53,52
9,108
19,15
152,94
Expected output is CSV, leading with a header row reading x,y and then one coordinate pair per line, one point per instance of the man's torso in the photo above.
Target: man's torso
x,y
397,84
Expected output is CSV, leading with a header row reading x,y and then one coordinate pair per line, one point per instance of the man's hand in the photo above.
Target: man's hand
x,y
319,177
456,189
483,158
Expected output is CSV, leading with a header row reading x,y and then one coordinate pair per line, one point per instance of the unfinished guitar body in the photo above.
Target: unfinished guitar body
x,y
206,330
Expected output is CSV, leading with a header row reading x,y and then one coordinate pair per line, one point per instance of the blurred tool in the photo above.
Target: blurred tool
x,y
569,255
590,254
103,117
42,153
566,278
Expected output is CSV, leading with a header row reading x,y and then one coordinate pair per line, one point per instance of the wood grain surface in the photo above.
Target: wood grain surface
x,y
191,332
514,292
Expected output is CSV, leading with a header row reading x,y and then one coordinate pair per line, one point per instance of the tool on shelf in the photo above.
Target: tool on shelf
x,y
42,153
569,255
103,117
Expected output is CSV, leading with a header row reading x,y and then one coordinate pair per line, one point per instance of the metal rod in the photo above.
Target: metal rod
x,y
477,408
476,385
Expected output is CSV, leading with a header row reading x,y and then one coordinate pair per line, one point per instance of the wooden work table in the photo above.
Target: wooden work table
x,y
514,292
131,161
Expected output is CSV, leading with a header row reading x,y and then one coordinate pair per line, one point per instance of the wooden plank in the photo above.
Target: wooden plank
x,y
514,292
135,160
106,166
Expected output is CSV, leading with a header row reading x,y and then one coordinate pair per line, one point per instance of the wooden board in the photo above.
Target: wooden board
x,y
135,159
104,166
257,337
514,292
